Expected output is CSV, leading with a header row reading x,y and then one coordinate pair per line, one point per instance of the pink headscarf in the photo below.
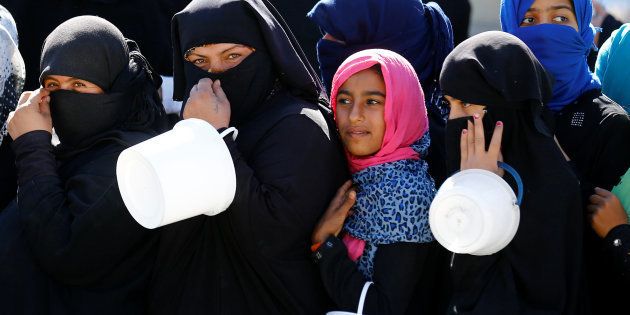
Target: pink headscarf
x,y
405,112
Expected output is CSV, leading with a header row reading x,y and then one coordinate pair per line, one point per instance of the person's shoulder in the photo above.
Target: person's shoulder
x,y
300,113
610,111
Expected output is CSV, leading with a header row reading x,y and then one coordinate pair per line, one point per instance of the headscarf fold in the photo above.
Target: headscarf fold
x,y
561,49
12,70
419,32
395,188
92,49
405,114
613,66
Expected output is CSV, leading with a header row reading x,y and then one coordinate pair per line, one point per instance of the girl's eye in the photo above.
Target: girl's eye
x,y
199,61
373,102
528,20
343,101
560,19
466,105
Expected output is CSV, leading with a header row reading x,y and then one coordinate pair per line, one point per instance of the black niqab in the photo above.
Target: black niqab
x,y
92,49
541,268
253,23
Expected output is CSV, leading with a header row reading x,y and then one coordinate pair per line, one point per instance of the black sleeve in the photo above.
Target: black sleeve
x,y
613,158
284,186
617,244
397,271
78,229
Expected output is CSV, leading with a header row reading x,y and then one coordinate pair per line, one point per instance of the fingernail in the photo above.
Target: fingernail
x,y
465,131
476,116
499,123
352,195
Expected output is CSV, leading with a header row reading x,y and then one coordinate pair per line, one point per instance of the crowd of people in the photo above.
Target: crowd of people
x,y
336,169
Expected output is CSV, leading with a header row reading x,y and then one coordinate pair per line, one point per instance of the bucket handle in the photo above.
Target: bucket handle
x,y
517,177
227,131
366,286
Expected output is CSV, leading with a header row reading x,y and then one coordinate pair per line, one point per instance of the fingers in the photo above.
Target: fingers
x,y
347,204
463,145
592,210
596,200
340,196
603,192
44,106
24,97
218,90
470,138
495,142
480,141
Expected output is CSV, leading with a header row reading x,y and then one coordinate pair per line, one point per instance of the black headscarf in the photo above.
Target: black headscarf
x,y
92,49
541,268
253,23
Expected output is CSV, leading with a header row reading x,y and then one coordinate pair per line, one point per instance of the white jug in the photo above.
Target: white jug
x,y
476,212
177,175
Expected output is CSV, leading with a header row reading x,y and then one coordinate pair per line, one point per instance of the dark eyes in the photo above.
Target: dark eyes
x,y
343,101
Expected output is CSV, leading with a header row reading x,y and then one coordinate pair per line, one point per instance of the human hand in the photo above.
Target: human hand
x,y
473,147
606,212
207,101
32,113
332,221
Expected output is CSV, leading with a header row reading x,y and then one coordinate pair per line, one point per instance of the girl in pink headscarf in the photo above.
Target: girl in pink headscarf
x,y
378,230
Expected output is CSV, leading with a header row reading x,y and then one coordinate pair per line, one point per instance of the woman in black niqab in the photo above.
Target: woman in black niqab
x,y
253,258
541,269
69,245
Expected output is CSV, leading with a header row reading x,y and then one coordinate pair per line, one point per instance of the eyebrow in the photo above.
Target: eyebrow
x,y
368,93
552,8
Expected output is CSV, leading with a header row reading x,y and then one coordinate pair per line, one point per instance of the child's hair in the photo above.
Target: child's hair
x,y
377,68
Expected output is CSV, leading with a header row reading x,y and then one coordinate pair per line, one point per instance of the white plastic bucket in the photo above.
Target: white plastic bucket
x,y
476,212
177,175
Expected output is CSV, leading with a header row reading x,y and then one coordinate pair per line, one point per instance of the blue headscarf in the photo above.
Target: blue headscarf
x,y
613,66
419,32
562,51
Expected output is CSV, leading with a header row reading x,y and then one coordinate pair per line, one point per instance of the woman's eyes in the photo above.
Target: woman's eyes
x,y
560,19
373,102
199,61
51,85
233,56
78,84
528,20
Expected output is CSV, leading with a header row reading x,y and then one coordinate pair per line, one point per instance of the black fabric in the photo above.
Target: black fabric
x,y
237,22
617,246
146,21
594,131
458,12
541,270
398,270
304,30
92,49
8,175
69,244
87,48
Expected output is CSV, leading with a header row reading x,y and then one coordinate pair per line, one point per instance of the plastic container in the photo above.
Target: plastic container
x,y
177,175
476,212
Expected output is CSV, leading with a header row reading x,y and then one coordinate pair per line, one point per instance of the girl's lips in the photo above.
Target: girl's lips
x,y
352,132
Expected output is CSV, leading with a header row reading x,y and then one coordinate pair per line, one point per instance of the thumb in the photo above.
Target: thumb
x,y
602,192
347,204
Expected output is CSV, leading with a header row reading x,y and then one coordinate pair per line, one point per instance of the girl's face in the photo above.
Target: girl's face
x,y
61,82
217,58
360,112
551,12
461,109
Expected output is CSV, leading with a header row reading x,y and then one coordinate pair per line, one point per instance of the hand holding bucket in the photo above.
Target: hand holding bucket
x,y
177,175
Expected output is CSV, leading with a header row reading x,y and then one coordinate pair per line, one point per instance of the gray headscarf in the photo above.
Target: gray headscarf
x,y
12,69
